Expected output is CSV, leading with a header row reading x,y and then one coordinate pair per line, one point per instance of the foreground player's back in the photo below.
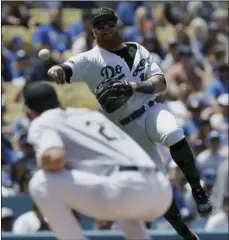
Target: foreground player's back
x,y
91,140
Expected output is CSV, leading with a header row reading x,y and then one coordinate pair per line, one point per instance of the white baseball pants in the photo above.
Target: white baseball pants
x,y
156,125
127,195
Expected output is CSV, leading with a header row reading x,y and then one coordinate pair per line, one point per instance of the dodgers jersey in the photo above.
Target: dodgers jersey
x,y
99,65
91,141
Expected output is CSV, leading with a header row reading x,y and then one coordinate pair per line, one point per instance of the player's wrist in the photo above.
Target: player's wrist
x,y
147,87
67,72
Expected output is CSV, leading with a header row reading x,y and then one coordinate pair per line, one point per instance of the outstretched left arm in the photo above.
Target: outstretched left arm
x,y
154,84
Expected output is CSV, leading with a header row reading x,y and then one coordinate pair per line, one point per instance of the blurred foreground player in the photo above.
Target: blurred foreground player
x,y
84,164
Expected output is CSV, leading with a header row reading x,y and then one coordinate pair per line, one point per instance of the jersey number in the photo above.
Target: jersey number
x,y
102,130
142,77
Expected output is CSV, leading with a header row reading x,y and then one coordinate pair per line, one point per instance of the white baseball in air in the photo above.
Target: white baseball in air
x,y
44,54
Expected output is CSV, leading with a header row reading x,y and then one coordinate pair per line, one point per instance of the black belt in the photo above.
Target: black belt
x,y
136,114
134,168
128,168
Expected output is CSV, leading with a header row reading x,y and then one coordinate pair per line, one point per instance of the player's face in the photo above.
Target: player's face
x,y
105,29
107,35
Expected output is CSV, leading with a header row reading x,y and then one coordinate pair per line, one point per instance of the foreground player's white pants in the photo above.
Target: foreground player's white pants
x,y
129,195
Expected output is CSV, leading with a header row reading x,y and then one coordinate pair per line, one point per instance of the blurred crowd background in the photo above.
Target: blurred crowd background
x,y
188,40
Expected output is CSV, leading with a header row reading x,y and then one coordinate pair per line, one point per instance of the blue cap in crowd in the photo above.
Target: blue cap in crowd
x,y
209,176
20,54
17,40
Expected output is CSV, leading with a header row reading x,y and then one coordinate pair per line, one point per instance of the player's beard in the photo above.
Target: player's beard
x,y
110,43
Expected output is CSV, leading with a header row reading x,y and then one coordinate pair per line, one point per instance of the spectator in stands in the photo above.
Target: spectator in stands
x,y
211,157
172,56
219,222
5,67
208,176
11,48
30,222
199,35
174,12
23,182
204,127
198,146
9,155
220,120
24,69
220,188
221,17
185,77
19,66
180,34
17,13
80,25
203,9
214,53
136,32
20,126
151,42
220,84
9,158
84,41
195,106
178,181
7,220
52,36
126,10
5,123
26,153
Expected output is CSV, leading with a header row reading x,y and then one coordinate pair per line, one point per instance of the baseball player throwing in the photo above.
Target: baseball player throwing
x,y
125,79
102,180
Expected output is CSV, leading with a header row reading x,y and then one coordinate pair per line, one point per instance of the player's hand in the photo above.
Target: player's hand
x,y
57,73
125,84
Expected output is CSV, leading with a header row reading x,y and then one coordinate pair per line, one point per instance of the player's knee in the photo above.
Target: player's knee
x,y
173,137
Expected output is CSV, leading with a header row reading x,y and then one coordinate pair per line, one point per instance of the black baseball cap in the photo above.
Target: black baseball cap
x,y
103,14
40,96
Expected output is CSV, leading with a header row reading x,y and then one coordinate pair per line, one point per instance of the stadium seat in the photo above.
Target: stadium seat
x,y
9,31
19,204
40,18
69,15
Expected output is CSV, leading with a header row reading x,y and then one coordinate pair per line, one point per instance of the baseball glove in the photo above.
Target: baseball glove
x,y
111,97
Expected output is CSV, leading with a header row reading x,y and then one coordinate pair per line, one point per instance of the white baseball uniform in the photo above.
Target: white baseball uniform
x,y
157,124
94,185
